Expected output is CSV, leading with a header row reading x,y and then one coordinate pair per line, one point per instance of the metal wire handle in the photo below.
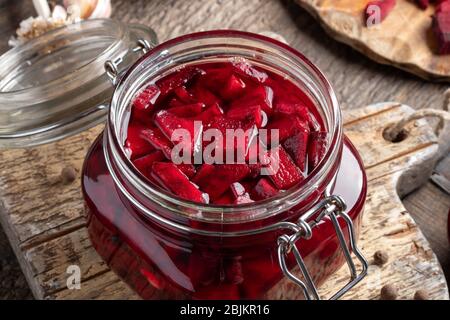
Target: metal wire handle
x,y
112,66
332,207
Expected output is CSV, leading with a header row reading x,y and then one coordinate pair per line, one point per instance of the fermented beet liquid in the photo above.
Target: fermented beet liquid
x,y
159,262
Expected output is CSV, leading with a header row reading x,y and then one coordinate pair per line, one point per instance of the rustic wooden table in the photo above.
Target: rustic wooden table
x,y
357,80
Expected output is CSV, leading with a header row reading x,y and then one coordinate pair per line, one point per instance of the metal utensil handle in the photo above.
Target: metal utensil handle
x,y
112,66
332,207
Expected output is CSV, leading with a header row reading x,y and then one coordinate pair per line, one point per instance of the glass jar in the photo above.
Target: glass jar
x,y
281,248
55,85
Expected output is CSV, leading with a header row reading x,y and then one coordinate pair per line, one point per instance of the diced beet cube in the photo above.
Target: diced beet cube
x,y
144,164
209,114
187,169
204,172
423,4
174,102
441,28
250,114
220,178
205,96
203,268
171,178
239,193
287,127
177,79
245,69
385,7
297,145
225,199
299,110
233,270
169,123
282,171
156,138
184,95
316,149
215,78
263,189
261,95
136,143
233,88
189,110
146,98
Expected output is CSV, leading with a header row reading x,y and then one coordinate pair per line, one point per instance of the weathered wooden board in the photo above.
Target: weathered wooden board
x,y
404,39
44,219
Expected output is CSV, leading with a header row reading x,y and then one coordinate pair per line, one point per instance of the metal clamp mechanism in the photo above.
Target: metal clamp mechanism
x,y
332,207
112,66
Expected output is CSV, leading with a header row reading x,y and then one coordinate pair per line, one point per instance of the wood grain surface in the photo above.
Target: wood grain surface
x,y
44,218
404,39
358,81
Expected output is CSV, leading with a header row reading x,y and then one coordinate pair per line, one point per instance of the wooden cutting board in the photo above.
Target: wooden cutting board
x,y
44,219
404,39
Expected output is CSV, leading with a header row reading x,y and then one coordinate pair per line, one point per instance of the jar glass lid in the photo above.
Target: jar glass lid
x,y
55,85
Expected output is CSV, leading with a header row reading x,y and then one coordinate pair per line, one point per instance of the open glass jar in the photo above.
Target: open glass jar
x,y
165,247
55,85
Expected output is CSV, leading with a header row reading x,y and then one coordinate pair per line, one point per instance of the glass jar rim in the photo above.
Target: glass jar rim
x,y
114,149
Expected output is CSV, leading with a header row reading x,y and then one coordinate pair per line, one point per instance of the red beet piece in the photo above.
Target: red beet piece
x,y
187,110
177,79
204,172
239,193
203,268
263,189
261,95
209,114
171,178
156,138
187,169
233,88
184,95
250,114
205,96
225,199
299,110
146,98
168,123
137,144
385,7
423,4
283,173
297,145
316,149
441,28
220,178
144,164
233,271
287,126
245,69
